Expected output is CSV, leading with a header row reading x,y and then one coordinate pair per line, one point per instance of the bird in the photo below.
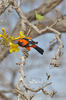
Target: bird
x,y
27,42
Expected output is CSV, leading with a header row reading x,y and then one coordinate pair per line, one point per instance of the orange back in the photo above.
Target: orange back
x,y
23,41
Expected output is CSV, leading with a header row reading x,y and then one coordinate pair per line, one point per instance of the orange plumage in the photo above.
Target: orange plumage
x,y
27,42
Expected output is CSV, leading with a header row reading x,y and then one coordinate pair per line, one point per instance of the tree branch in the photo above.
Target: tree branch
x,y
4,4
18,26
25,86
43,9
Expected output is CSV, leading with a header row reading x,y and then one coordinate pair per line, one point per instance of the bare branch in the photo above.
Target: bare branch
x,y
25,86
4,51
43,9
4,4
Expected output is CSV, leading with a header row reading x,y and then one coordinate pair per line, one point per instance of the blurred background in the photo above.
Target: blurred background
x,y
36,65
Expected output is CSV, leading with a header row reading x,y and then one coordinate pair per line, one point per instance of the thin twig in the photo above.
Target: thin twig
x,y
25,86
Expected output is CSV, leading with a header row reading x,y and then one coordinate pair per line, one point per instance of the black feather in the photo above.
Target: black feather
x,y
40,50
20,43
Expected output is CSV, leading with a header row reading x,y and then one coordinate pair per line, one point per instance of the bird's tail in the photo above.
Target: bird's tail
x,y
40,50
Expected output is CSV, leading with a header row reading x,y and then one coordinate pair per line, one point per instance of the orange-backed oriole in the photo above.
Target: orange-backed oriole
x,y
27,42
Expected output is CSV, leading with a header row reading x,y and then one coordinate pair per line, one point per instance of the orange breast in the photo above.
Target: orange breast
x,y
28,48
